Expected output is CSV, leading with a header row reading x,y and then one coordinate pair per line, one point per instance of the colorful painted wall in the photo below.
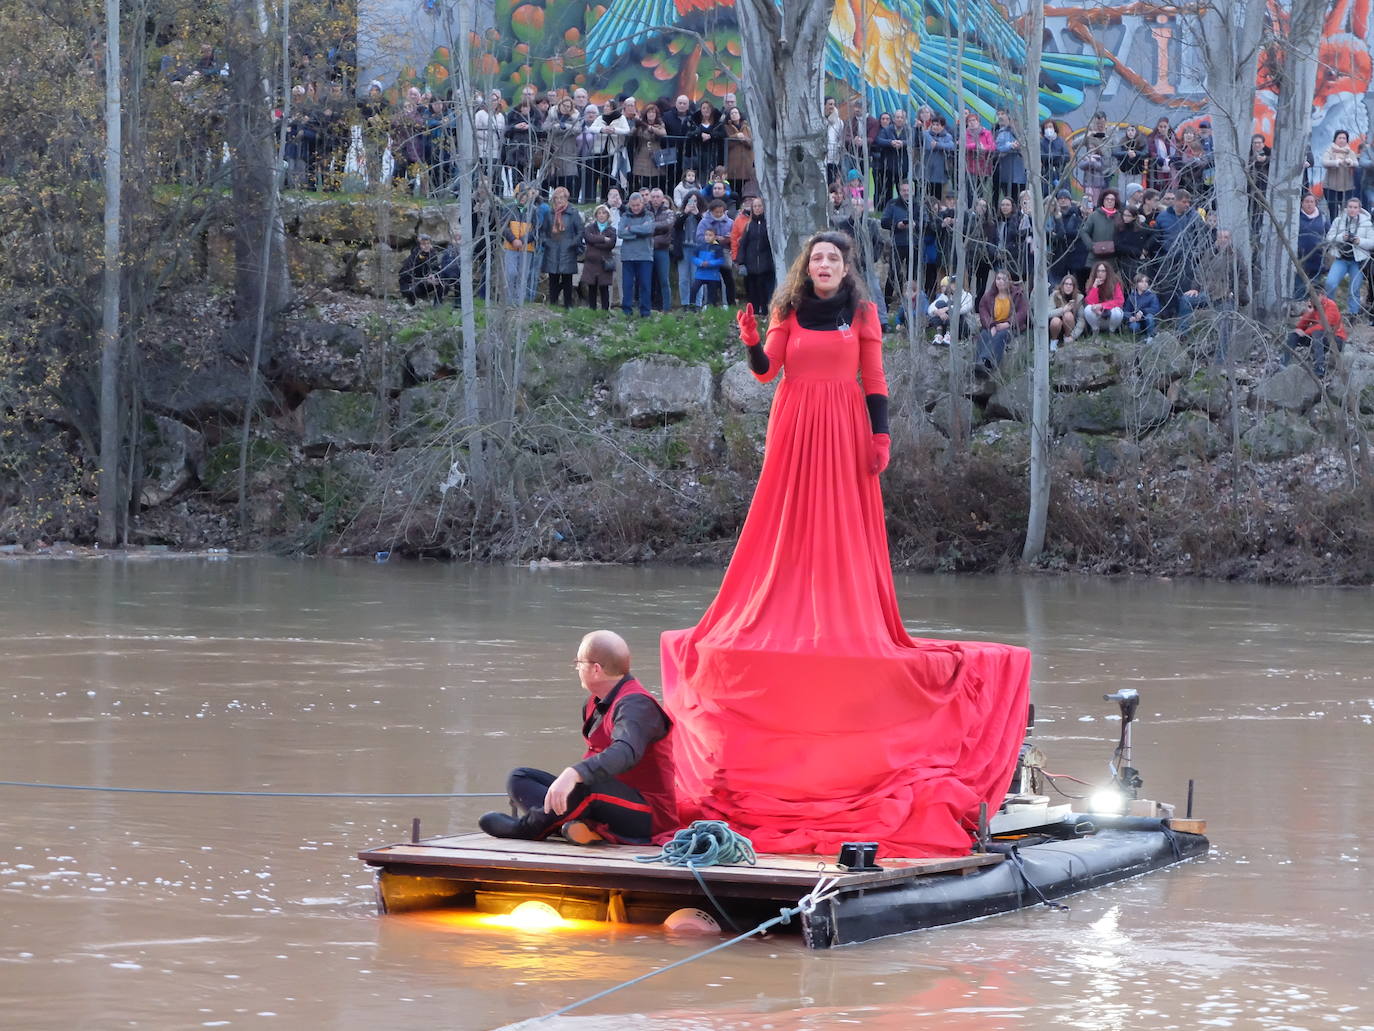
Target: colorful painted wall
x,y
1128,58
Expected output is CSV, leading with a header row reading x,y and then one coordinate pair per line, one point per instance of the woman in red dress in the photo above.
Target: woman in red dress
x,y
804,713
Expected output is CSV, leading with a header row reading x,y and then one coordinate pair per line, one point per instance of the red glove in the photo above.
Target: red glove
x,y
748,326
880,452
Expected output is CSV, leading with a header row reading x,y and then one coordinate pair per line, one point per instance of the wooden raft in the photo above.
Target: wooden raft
x,y
496,861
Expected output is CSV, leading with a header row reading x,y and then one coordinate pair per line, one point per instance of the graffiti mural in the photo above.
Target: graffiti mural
x,y
1129,59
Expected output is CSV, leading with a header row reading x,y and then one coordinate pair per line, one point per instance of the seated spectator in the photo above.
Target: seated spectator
x,y
1102,305
1320,319
420,273
1142,309
598,260
1066,312
940,313
1002,311
710,265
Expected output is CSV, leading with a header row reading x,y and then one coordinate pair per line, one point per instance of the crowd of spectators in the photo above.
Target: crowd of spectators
x,y
652,205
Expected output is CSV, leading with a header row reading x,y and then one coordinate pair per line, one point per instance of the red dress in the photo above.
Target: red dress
x,y
804,714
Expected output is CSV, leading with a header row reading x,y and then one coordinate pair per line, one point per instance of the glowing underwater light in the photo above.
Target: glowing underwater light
x,y
534,915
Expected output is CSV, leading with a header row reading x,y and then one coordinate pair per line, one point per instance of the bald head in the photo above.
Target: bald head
x,y
609,650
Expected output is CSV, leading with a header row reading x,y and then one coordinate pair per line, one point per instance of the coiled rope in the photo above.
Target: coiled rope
x,y
824,891
706,843
254,794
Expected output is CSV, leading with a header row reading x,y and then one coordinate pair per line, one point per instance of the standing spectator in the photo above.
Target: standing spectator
x,y
1366,176
1094,155
897,219
579,98
1002,311
489,130
1066,312
1340,163
719,218
685,248
678,121
1142,309
938,145
739,153
563,237
860,134
1350,240
1068,254
1098,232
1054,158
979,154
1175,222
1312,228
1257,180
518,241
1104,302
1194,164
868,246
711,266
408,133
834,141
1131,155
522,137
1134,240
591,155
1223,282
1011,163
882,160
598,262
708,138
636,256
650,146
1320,318
665,219
756,258
562,128
1005,239
1162,157
420,273
620,142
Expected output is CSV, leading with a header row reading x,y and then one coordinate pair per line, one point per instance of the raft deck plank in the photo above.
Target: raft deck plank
x,y
480,857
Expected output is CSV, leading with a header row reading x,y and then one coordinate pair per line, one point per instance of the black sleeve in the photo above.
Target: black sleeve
x,y
877,411
758,360
639,722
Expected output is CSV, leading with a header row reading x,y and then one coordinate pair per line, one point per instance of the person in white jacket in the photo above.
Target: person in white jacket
x,y
1350,240
618,135
489,129
938,314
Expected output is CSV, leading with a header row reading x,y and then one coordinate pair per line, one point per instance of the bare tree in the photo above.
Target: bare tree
x,y
1040,308
107,531
784,68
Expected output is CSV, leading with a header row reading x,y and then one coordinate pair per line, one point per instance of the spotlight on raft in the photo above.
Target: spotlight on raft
x,y
533,915
1107,802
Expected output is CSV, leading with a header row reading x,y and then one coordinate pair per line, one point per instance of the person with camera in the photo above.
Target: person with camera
x,y
1349,242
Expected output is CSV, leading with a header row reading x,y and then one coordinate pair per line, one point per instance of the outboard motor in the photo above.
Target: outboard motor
x,y
1124,775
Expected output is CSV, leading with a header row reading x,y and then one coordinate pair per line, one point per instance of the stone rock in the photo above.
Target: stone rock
x,y
427,411
173,456
318,264
1114,409
328,356
1188,435
744,434
1161,363
377,270
439,221
1292,389
340,419
915,438
1101,456
925,380
941,416
562,369
1082,365
1207,390
741,392
1011,397
1358,379
1278,435
333,219
268,468
214,391
1005,441
651,391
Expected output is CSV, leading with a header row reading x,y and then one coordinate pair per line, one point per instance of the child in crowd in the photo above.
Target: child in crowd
x,y
686,188
1142,309
942,308
854,184
1321,317
710,262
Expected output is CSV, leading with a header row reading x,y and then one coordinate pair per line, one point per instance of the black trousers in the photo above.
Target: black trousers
x,y
607,804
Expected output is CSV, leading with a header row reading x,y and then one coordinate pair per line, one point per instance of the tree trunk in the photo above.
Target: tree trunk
x,y
959,432
784,72
1038,517
1229,38
472,398
1297,86
107,531
259,239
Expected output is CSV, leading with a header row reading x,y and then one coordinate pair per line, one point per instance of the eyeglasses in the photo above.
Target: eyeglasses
x,y
579,663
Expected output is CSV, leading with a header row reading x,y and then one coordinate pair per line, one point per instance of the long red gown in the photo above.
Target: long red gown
x,y
805,715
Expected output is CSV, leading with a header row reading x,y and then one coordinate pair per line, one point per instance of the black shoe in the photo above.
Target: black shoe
x,y
982,370
529,827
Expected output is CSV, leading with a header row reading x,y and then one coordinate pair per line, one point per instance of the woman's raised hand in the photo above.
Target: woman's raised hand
x,y
748,326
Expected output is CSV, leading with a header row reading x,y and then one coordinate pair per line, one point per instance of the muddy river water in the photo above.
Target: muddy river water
x,y
122,910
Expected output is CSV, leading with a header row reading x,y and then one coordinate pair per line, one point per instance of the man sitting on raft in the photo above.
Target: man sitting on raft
x,y
622,789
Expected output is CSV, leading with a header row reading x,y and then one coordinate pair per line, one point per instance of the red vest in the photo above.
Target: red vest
x,y
652,776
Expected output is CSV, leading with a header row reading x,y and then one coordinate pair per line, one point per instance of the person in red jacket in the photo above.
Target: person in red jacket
x,y
1321,317
622,789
